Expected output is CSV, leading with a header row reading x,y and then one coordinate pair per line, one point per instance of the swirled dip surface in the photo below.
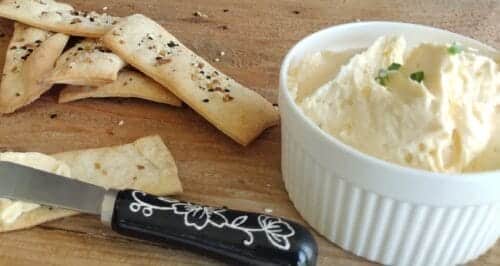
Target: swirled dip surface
x,y
432,107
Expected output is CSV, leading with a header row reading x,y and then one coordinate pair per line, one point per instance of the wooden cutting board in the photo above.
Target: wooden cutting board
x,y
254,36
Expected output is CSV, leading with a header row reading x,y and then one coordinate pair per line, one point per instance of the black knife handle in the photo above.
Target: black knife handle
x,y
249,238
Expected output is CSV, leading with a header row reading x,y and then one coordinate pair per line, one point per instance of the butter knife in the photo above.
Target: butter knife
x,y
234,236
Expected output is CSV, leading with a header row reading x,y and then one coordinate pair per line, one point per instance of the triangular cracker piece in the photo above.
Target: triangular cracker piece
x,y
30,56
236,110
145,164
58,17
88,63
130,84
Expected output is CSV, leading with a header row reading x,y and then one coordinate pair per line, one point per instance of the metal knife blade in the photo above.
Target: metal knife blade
x,y
23,183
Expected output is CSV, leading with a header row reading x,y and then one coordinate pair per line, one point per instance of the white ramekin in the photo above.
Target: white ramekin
x,y
378,210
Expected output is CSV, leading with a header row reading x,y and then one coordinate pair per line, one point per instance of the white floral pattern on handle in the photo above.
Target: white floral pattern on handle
x,y
276,230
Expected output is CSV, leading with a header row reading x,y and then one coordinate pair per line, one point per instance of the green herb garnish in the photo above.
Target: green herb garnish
x,y
383,77
418,76
455,49
383,74
394,66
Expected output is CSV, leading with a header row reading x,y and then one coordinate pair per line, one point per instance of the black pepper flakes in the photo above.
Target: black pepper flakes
x,y
18,94
161,61
13,48
227,90
80,48
211,90
172,44
206,100
225,10
296,12
53,116
208,77
224,27
75,21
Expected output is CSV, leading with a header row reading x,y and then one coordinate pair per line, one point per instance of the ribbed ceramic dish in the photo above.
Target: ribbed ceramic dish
x,y
378,210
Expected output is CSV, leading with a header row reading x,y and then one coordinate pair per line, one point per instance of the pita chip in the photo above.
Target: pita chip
x,y
145,164
31,54
88,63
130,84
57,17
239,112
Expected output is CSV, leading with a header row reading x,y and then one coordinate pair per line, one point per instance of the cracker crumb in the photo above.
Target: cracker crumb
x,y
268,210
121,123
105,8
222,53
216,59
199,14
227,98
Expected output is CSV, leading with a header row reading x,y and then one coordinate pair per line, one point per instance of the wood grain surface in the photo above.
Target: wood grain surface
x,y
254,35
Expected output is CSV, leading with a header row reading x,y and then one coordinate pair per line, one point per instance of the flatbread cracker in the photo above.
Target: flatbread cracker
x,y
88,63
145,164
130,84
237,111
30,56
57,17
36,217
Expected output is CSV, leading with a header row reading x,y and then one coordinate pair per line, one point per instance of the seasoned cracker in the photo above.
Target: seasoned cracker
x,y
30,56
237,111
88,63
57,17
130,84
